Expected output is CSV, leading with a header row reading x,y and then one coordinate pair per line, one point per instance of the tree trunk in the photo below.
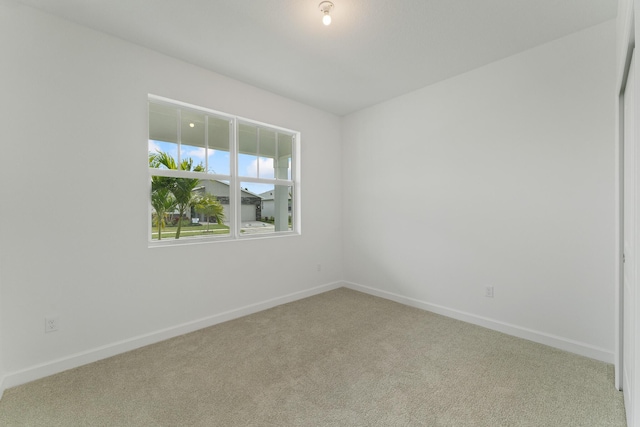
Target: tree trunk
x,y
179,225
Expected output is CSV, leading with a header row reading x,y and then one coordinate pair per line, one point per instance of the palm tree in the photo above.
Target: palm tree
x,y
209,206
161,159
162,201
181,188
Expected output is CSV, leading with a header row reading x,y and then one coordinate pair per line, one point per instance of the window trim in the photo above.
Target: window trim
x,y
234,179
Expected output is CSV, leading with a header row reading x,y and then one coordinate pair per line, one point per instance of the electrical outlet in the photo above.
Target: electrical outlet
x,y
488,292
51,324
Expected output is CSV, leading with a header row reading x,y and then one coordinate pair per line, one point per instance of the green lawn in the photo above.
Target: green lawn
x,y
190,231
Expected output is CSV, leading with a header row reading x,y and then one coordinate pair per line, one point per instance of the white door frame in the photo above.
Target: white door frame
x,y
629,29
629,38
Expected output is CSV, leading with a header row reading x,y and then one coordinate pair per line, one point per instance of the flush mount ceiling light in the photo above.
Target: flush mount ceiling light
x,y
325,7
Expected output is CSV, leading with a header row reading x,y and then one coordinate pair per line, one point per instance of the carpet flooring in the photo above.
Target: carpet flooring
x,y
341,358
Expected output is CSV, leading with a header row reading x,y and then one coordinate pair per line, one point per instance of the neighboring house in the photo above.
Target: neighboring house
x,y
268,204
251,203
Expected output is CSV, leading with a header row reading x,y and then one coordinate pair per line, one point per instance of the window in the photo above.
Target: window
x,y
219,177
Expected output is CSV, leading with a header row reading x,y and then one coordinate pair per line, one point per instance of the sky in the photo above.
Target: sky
x,y
219,162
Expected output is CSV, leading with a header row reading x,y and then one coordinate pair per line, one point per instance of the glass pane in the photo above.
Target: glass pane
x,y
265,167
211,207
163,136
193,150
247,150
283,161
218,160
185,208
264,153
247,165
272,212
267,150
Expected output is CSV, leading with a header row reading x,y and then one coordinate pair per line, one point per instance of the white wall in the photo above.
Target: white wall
x,y
2,371
505,177
74,188
624,28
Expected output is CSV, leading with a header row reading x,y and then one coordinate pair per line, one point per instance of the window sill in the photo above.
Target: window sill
x,y
167,243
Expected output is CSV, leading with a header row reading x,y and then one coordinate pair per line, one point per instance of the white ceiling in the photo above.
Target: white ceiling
x,y
374,49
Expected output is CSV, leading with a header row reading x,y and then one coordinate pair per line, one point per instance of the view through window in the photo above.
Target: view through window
x,y
215,176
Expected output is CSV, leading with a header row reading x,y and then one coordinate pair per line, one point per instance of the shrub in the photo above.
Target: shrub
x,y
185,222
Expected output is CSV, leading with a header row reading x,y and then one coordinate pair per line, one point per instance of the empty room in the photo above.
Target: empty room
x,y
319,213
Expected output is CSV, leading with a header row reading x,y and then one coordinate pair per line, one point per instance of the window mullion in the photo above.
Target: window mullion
x,y
234,191
179,155
206,144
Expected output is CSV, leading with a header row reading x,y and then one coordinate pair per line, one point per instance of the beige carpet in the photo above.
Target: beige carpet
x,y
342,358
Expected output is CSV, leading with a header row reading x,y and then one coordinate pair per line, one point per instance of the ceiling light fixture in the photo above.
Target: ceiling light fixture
x,y
325,7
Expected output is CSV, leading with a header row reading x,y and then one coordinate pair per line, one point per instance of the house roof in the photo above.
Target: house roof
x,y
244,191
268,195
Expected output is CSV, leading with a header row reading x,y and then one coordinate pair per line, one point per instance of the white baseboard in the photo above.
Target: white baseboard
x,y
561,343
73,361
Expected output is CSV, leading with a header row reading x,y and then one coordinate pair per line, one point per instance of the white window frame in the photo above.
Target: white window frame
x,y
234,179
